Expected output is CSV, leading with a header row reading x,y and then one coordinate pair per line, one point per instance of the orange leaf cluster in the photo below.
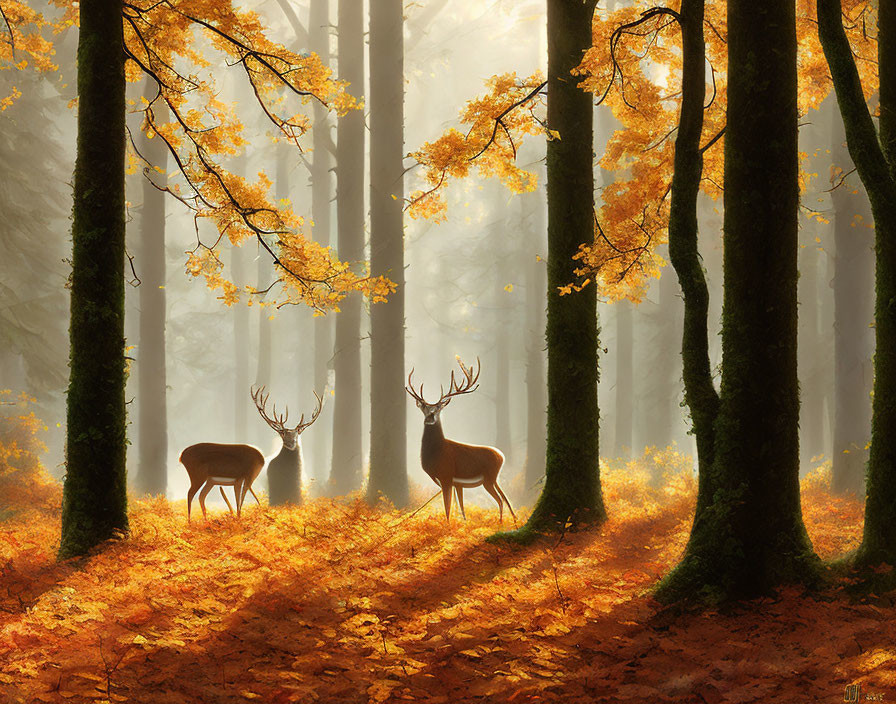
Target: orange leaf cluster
x,y
498,123
337,601
642,90
161,39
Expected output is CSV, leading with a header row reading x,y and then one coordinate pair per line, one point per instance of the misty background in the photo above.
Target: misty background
x,y
475,283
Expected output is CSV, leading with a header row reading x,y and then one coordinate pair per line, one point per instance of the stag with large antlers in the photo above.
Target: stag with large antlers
x,y
453,464
285,470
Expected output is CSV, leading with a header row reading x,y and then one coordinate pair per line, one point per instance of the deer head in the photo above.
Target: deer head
x,y
277,421
431,411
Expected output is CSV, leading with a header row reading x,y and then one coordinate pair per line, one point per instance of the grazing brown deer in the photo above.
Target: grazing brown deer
x,y
454,464
285,470
211,464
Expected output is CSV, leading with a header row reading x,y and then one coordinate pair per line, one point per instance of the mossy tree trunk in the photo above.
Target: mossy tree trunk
x,y
94,503
572,490
347,464
152,470
748,535
700,394
874,156
388,402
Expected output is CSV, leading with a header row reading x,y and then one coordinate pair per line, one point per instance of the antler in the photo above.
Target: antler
x,y
418,396
278,422
300,428
468,385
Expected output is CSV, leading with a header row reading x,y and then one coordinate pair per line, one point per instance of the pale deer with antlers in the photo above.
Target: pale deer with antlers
x,y
285,470
453,464
212,464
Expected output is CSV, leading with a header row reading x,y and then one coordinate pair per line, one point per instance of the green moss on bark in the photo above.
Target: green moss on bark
x,y
748,535
873,155
572,490
94,506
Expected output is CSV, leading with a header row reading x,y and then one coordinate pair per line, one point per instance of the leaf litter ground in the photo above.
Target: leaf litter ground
x,y
338,602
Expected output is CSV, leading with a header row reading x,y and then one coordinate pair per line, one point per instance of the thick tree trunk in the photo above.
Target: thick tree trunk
x,y
388,402
572,489
748,534
625,381
347,468
874,157
94,503
853,315
321,195
152,470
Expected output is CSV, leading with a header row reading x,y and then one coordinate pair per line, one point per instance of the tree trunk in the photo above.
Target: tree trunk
x,y
388,404
625,381
94,503
347,468
321,195
152,471
853,315
811,358
536,285
874,160
572,489
748,535
502,330
239,256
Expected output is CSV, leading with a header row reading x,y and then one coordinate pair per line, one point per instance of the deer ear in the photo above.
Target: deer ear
x,y
420,405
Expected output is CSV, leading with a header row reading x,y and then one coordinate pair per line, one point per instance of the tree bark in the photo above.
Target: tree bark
x,y
748,535
347,468
240,350
152,469
625,381
502,330
572,491
873,156
94,503
812,346
321,196
853,316
388,402
536,285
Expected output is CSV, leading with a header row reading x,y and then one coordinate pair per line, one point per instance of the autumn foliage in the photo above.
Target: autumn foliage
x,y
337,601
634,70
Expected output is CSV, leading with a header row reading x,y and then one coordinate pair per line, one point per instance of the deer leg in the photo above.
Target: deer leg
x,y
490,488
238,493
226,500
246,488
509,507
190,494
252,491
202,494
446,497
460,500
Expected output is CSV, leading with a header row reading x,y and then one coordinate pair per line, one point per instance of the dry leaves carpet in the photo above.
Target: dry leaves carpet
x,y
337,602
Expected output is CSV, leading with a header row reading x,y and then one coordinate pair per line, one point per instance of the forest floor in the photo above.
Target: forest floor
x,y
336,602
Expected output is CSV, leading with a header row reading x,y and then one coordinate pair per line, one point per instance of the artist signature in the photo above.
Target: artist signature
x,y
854,693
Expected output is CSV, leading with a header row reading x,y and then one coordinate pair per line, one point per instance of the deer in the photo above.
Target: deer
x,y
211,464
285,470
452,464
